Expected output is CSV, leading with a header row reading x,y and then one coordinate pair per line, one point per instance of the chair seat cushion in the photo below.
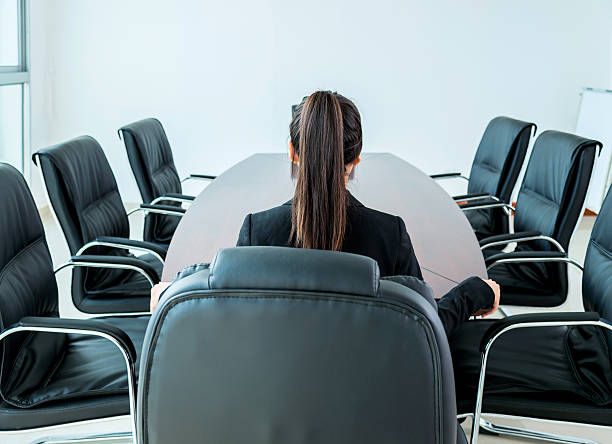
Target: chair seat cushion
x,y
131,294
530,284
529,373
62,412
160,228
92,375
133,283
480,220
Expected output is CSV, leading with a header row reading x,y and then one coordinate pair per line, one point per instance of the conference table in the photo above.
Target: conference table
x,y
443,240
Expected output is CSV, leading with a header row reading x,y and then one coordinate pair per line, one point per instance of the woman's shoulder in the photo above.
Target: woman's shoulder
x,y
363,212
380,218
278,213
268,227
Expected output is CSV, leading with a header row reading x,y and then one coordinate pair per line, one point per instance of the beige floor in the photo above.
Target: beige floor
x,y
59,252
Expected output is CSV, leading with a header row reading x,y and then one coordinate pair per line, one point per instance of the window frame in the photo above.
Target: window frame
x,y
20,75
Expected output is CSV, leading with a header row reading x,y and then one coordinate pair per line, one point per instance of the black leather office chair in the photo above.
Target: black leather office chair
x,y
152,163
580,341
549,205
495,170
83,194
53,371
287,345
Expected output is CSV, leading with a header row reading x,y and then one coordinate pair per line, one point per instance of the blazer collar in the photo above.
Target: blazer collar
x,y
352,201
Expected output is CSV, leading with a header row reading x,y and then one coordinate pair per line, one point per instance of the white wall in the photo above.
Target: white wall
x,y
221,76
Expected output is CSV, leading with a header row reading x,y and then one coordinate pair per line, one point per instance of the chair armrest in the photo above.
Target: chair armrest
x,y
133,244
490,202
86,326
536,320
125,244
120,262
163,209
183,197
448,176
507,238
461,198
522,236
199,177
168,210
180,196
93,328
173,197
530,256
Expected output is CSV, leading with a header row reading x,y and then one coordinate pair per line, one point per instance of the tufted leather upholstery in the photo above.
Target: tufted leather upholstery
x,y
27,284
495,170
550,201
597,276
317,349
83,192
48,378
151,160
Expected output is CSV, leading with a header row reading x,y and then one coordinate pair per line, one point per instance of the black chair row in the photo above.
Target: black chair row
x,y
241,282
495,170
83,193
549,205
82,189
243,352
238,354
583,338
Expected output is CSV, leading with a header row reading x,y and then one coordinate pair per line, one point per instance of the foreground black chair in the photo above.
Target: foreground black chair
x,y
495,170
483,352
152,163
288,345
549,205
83,193
53,371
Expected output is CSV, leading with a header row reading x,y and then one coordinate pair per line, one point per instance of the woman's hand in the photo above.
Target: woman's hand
x,y
156,291
497,292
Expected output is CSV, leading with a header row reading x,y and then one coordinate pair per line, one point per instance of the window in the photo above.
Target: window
x,y
14,79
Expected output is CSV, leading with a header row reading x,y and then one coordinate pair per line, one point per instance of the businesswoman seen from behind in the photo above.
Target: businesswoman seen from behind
x,y
325,146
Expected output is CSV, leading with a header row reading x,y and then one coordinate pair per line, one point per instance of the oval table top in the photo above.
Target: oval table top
x,y
443,240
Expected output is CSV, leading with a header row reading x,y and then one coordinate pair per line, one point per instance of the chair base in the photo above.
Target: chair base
x,y
532,434
119,438
112,430
529,434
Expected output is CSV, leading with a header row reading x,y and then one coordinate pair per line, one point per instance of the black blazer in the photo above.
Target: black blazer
x,y
368,232
383,238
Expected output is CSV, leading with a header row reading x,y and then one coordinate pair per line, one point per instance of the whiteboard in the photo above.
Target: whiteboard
x,y
595,122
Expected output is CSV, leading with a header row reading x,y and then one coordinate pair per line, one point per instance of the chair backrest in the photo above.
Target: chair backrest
x,y
597,275
27,286
495,170
151,158
555,185
500,156
152,163
288,345
82,191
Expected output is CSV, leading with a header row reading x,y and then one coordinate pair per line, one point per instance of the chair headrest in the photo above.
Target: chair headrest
x,y
281,268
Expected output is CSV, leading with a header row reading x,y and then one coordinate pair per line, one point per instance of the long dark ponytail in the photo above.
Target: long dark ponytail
x,y
326,136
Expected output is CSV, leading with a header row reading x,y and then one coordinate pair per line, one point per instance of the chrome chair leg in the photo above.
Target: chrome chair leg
x,y
532,434
122,437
